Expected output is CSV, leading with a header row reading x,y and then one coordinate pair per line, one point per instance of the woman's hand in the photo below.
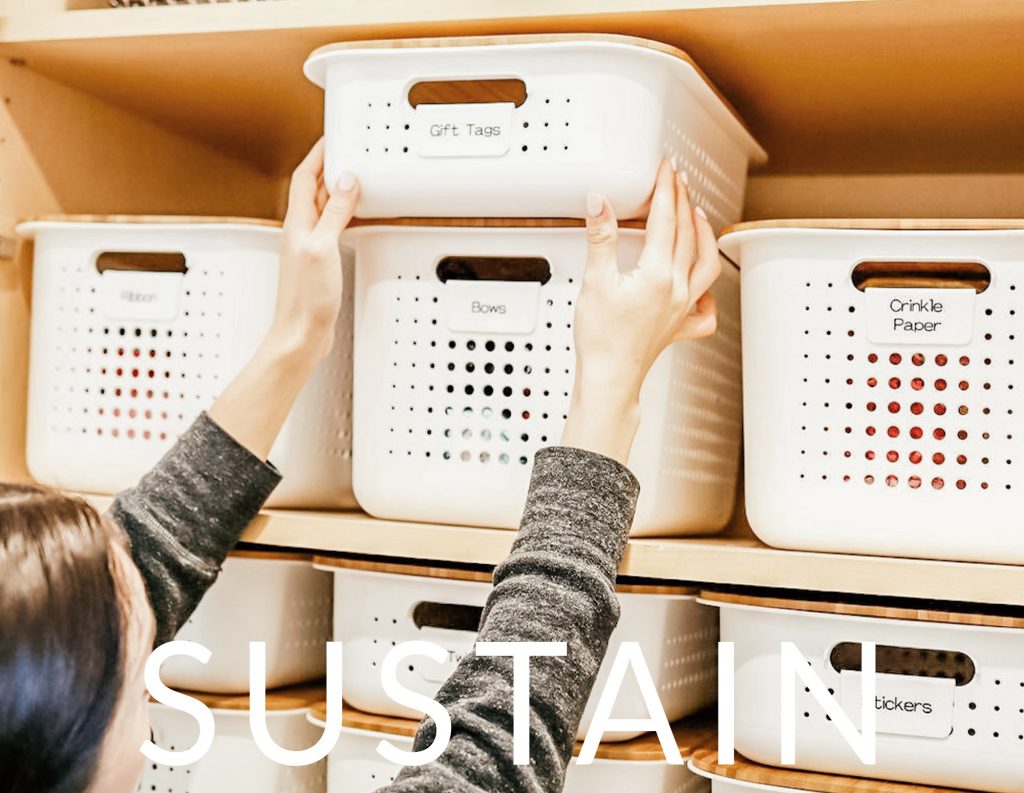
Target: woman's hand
x,y
624,321
255,405
310,287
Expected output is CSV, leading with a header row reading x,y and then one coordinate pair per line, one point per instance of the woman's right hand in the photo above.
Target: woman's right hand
x,y
624,321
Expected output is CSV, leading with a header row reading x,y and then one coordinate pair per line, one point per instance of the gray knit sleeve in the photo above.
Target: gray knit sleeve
x,y
558,584
186,514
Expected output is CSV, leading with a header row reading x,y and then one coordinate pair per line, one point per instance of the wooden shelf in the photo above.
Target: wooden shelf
x,y
736,558
870,87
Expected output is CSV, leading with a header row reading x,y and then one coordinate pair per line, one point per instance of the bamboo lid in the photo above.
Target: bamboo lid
x,y
743,770
161,220
865,610
882,224
291,698
479,576
690,734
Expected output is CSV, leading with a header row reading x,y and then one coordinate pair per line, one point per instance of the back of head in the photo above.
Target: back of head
x,y
61,639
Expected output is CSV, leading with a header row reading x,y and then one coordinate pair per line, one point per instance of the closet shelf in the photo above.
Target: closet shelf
x,y
734,559
829,87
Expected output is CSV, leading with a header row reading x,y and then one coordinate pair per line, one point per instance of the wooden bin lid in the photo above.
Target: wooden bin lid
x,y
882,224
743,770
479,576
690,734
865,610
281,554
489,223
162,220
292,698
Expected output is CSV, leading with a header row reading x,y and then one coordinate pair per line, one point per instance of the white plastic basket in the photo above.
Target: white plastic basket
x,y
969,673
355,766
258,598
138,325
558,116
677,635
453,401
867,439
234,762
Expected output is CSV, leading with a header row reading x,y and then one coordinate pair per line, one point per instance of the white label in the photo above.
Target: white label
x,y
904,705
920,316
439,673
491,306
482,130
140,296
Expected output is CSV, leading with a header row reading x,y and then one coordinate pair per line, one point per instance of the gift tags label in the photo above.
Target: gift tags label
x,y
140,296
477,130
920,316
904,705
491,306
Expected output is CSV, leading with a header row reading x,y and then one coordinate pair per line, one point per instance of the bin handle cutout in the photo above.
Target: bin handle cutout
x,y
921,275
141,261
467,92
909,661
494,268
449,616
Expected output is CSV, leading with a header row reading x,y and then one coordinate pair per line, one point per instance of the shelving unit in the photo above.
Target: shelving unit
x,y
867,107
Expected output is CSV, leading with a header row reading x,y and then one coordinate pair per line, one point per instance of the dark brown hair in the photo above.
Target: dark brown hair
x,y
62,638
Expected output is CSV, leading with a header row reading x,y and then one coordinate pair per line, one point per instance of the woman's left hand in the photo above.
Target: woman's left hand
x,y
310,288
253,408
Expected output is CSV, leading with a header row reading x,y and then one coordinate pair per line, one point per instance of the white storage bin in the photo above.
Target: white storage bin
x,y
234,762
677,635
874,431
968,668
638,766
744,776
138,324
453,402
525,126
259,597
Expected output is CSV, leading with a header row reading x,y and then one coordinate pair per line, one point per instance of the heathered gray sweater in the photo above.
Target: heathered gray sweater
x,y
558,584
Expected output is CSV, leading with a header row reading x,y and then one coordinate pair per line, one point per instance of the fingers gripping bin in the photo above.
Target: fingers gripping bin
x,y
539,120
234,761
949,690
356,767
259,597
464,366
138,324
881,365
744,776
678,637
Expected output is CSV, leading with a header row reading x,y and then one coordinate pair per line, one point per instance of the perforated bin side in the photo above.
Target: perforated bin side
x,y
107,396
355,767
454,416
234,762
676,635
984,748
863,447
594,115
287,605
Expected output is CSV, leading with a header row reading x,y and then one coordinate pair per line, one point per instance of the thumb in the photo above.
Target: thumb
x,y
602,234
340,208
702,322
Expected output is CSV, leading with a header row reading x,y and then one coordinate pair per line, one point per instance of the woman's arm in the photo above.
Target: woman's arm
x,y
558,583
187,513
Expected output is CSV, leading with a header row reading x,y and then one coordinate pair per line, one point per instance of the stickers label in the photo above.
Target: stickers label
x,y
140,296
904,705
920,316
478,130
491,306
